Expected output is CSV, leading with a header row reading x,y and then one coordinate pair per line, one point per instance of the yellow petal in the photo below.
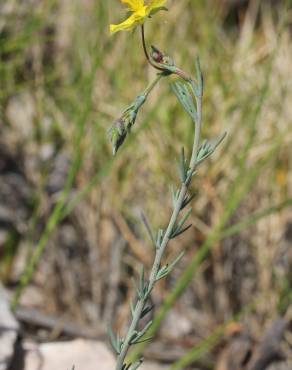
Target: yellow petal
x,y
134,5
127,25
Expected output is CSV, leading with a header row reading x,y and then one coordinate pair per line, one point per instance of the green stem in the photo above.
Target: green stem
x,y
152,84
166,238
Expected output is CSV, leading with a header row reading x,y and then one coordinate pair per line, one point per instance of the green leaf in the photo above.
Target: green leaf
x,y
132,309
142,278
175,195
142,332
138,291
209,147
115,341
159,238
183,94
182,166
187,201
177,229
144,340
165,270
176,261
146,310
148,227
179,232
200,79
184,219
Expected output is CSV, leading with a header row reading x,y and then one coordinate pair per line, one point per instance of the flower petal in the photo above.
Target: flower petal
x,y
134,5
127,25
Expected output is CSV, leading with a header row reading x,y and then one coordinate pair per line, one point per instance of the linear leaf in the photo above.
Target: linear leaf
x,y
148,227
187,201
176,261
113,340
184,96
209,147
177,233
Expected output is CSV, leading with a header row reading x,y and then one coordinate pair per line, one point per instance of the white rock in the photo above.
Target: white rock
x,y
20,113
153,366
176,325
81,353
8,332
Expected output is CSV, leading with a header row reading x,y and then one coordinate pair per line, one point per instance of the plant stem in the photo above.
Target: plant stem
x,y
146,52
152,84
166,238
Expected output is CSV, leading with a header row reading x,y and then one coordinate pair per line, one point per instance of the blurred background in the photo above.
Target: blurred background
x,y
70,212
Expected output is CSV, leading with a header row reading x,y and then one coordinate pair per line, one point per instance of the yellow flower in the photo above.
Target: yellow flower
x,y
140,11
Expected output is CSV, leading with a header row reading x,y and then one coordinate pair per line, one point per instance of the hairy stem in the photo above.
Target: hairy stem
x,y
166,238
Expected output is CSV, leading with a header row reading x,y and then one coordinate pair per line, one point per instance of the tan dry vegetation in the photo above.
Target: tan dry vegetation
x,y
64,80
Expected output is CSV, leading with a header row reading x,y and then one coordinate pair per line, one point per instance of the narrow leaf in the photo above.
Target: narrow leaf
x,y
139,293
209,147
177,233
145,311
182,165
176,261
162,273
144,340
175,195
159,238
148,227
142,279
187,201
142,332
184,219
113,340
200,78
185,98
132,309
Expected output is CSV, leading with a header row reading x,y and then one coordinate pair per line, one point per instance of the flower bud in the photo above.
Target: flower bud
x,y
166,63
161,58
156,55
117,134
122,126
